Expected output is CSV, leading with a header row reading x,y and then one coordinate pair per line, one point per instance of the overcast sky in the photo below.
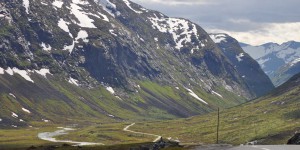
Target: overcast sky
x,y
250,21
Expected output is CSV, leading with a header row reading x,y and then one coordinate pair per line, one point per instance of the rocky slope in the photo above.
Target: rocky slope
x,y
250,70
108,59
285,72
276,60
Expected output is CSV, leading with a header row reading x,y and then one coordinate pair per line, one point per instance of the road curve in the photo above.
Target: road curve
x,y
127,130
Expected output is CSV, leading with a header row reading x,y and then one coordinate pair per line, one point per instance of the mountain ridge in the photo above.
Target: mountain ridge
x,y
275,59
250,70
110,58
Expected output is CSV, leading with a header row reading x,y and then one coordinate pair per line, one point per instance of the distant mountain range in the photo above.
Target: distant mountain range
x,y
279,62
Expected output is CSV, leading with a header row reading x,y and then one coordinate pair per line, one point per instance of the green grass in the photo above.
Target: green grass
x,y
271,120
20,138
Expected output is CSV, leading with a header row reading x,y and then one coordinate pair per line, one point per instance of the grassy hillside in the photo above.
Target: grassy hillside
x,y
63,103
99,115
271,120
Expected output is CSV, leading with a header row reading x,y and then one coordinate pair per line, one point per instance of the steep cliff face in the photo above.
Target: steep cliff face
x,y
255,78
147,62
285,72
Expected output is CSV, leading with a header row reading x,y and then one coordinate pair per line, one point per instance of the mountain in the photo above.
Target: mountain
x,y
276,59
250,70
286,71
108,60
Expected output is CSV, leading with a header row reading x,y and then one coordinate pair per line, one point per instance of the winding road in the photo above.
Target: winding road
x,y
127,130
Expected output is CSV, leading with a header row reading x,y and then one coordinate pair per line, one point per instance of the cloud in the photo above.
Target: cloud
x,y
251,21
176,2
269,32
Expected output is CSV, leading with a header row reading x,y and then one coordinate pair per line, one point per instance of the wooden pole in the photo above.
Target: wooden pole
x,y
218,124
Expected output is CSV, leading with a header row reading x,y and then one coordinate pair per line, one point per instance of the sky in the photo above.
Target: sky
x,y
253,22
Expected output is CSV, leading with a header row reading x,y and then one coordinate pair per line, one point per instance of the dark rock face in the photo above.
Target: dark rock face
x,y
123,43
295,139
255,78
285,72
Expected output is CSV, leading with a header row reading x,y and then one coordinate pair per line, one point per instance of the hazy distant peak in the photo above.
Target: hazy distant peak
x,y
292,44
269,45
244,44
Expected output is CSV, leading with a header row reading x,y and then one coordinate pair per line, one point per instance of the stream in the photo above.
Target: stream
x,y
49,136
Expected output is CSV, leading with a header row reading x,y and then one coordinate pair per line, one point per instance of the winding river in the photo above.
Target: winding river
x,y
49,136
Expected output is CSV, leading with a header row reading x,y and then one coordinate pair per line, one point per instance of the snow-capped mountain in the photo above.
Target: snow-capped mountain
x,y
272,57
108,59
250,70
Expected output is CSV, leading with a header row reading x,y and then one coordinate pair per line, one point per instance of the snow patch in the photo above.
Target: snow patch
x,y
294,62
195,96
73,81
26,110
58,3
46,47
109,115
69,47
43,72
180,29
23,73
285,52
83,18
218,38
228,88
14,126
45,120
12,95
239,57
112,32
80,2
105,18
110,89
0,119
21,120
9,71
64,26
108,6
1,70
82,34
14,115
26,4
213,92
128,5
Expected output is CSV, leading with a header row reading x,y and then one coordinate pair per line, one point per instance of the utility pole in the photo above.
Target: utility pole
x,y
218,124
